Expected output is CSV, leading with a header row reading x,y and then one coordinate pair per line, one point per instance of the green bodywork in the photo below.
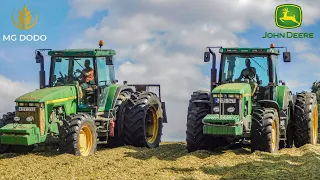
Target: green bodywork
x,y
83,52
51,98
242,89
240,125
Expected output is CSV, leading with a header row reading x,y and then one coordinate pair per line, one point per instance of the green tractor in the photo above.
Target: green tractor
x,y
248,104
77,110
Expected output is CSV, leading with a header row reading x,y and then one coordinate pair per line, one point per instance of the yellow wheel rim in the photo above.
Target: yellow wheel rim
x,y
152,126
274,135
314,125
85,141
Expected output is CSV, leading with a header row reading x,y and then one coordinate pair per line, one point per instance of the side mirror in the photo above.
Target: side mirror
x,y
39,57
206,56
286,57
125,82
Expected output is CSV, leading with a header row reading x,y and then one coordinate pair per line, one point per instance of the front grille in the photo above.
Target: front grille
x,y
38,115
226,106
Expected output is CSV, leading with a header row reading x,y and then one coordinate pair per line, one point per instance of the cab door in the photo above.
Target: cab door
x,y
103,82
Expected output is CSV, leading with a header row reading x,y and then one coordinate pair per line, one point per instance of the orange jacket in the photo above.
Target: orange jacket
x,y
89,75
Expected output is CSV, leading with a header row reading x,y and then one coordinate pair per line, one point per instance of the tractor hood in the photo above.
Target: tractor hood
x,y
48,94
233,88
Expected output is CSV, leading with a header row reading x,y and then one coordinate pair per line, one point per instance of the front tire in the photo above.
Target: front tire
x,y
7,119
196,140
143,120
306,119
21,149
265,133
80,136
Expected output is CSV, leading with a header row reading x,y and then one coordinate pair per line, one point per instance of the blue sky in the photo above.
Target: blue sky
x,y
54,21
61,28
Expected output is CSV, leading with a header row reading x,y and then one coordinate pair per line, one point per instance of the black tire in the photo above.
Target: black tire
x,y
143,109
118,139
265,126
196,140
20,149
70,137
305,108
7,119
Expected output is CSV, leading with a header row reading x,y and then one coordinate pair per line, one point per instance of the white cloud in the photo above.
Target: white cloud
x,y
166,40
10,91
301,46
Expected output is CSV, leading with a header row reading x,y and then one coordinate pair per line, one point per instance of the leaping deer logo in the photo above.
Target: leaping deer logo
x,y
285,16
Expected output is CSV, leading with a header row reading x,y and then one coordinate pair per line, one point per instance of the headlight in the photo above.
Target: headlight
x,y
21,104
29,119
217,95
216,109
16,119
36,104
231,109
31,104
231,95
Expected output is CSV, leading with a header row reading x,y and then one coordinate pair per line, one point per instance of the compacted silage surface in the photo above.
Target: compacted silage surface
x,y
169,161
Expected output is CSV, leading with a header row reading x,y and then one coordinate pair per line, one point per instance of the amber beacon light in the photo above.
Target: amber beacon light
x,y
100,43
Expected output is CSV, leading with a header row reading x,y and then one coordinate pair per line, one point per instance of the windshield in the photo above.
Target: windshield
x,y
64,70
243,68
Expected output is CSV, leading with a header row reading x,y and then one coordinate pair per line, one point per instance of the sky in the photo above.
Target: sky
x,y
157,41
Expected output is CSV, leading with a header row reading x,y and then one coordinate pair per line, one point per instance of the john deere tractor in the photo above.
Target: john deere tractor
x,y
248,103
76,111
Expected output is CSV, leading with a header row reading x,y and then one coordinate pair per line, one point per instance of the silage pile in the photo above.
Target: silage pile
x,y
169,161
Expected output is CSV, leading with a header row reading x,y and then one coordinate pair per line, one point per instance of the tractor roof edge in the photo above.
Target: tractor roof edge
x,y
82,52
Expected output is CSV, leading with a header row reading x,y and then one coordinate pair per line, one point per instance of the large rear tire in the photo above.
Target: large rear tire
x,y
196,140
80,136
118,139
306,119
265,133
7,119
143,120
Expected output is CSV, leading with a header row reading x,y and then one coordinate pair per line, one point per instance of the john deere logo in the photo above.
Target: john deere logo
x,y
288,16
24,19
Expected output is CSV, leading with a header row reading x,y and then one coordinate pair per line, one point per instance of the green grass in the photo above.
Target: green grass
x,y
169,161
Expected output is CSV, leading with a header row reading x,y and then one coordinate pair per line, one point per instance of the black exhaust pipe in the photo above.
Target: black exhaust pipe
x,y
42,73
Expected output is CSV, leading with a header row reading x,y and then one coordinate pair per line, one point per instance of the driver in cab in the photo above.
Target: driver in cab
x,y
249,73
87,75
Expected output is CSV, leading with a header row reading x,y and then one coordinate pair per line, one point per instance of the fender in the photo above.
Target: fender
x,y
118,91
269,104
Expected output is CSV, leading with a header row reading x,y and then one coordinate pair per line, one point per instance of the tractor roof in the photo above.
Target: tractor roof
x,y
82,52
250,50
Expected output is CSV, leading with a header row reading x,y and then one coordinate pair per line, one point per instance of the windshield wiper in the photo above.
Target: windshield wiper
x,y
258,64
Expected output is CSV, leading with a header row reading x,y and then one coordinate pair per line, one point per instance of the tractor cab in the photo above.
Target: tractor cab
x,y
90,70
255,66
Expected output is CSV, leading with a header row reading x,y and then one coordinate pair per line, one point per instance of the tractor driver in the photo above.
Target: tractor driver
x,y
250,73
87,75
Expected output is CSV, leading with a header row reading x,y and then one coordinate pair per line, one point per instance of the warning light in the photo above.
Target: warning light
x,y
100,43
271,45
